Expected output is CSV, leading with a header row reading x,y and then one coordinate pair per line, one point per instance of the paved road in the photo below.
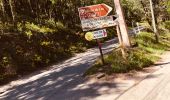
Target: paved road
x,y
65,82
156,86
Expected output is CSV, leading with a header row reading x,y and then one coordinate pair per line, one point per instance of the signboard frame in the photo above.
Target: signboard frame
x,y
98,23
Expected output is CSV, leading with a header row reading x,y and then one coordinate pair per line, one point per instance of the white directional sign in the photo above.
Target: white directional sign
x,y
98,23
99,34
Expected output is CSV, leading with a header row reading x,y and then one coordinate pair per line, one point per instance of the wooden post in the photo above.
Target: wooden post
x,y
122,24
119,35
133,26
138,27
153,22
121,42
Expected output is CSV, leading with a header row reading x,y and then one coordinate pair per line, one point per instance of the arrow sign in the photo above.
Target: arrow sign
x,y
94,11
98,23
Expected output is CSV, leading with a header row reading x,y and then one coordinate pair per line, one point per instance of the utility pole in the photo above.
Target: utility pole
x,y
122,24
153,22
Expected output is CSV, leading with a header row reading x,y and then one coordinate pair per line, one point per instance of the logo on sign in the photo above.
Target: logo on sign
x,y
99,34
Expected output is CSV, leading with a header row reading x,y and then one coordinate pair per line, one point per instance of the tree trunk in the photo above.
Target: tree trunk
x,y
30,5
11,3
2,6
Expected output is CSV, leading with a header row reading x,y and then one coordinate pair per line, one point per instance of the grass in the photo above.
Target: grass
x,y
144,54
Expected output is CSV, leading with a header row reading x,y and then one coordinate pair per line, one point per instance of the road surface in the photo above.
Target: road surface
x,y
64,81
155,86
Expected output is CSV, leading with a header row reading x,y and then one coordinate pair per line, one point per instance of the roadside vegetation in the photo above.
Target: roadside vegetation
x,y
144,53
35,35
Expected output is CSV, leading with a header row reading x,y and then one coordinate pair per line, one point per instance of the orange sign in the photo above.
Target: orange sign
x,y
94,11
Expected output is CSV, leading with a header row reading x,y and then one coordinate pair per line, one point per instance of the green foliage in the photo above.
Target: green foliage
x,y
36,34
146,41
136,58
167,25
132,11
37,28
168,6
36,46
53,1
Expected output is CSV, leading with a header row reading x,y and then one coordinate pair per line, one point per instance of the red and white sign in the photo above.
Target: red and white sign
x,y
94,11
99,34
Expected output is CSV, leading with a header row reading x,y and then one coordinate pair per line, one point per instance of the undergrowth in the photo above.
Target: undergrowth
x,y
144,54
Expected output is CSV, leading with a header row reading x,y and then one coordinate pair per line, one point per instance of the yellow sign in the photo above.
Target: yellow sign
x,y
89,36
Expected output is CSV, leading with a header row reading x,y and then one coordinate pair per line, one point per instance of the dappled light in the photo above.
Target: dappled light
x,y
54,83
84,49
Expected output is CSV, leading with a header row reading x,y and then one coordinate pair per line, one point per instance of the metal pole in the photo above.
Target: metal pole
x,y
153,21
101,53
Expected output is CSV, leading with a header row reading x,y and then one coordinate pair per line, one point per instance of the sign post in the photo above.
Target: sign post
x,y
97,35
95,17
100,49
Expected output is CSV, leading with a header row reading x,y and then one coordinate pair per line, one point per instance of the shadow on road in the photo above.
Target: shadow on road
x,y
159,64
63,82
63,85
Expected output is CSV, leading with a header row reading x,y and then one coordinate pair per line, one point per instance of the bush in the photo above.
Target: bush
x,y
33,46
137,58
167,25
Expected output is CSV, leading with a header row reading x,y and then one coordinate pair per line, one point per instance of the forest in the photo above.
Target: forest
x,y
37,33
